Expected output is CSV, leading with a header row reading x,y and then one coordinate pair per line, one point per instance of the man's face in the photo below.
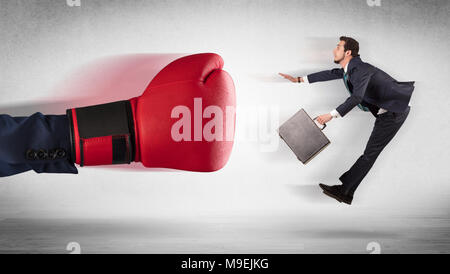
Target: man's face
x,y
339,53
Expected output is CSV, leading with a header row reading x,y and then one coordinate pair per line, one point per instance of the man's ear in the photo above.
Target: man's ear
x,y
348,53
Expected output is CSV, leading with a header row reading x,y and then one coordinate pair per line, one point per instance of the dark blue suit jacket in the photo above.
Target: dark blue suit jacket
x,y
370,87
39,142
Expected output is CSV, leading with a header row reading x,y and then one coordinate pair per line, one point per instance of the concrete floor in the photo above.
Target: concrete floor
x,y
233,233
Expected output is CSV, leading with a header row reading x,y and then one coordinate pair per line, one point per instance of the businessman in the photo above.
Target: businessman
x,y
371,90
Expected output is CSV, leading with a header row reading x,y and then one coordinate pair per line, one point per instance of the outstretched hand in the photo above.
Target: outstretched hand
x,y
290,78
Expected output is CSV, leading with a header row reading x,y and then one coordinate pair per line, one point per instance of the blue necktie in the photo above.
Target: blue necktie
x,y
346,85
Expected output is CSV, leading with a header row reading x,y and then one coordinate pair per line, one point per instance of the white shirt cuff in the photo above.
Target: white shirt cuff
x,y
305,79
335,114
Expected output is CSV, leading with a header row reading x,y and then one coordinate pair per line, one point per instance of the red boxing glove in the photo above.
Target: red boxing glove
x,y
184,120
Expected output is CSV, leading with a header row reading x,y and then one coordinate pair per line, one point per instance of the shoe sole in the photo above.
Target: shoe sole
x,y
332,196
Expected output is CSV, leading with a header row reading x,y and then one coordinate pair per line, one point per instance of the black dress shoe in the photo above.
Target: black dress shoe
x,y
337,193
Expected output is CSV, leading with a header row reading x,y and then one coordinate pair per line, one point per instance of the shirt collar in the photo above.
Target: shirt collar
x,y
353,62
346,67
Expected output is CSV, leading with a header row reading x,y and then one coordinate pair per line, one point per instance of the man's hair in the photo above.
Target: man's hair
x,y
350,44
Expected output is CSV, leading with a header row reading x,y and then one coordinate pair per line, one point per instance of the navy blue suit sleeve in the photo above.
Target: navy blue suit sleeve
x,y
326,75
38,142
360,79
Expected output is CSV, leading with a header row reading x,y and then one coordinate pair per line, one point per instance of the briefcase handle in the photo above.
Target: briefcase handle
x,y
324,126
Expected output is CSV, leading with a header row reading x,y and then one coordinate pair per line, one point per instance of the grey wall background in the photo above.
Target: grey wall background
x,y
44,42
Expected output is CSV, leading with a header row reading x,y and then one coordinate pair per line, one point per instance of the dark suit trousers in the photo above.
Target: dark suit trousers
x,y
385,128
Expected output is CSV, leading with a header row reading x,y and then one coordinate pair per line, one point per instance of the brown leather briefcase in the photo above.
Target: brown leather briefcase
x,y
303,136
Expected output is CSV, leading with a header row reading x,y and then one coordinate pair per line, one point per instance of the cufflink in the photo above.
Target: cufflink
x,y
42,154
31,154
52,154
61,153
57,153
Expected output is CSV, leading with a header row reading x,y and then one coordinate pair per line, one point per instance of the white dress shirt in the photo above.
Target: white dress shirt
x,y
334,112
